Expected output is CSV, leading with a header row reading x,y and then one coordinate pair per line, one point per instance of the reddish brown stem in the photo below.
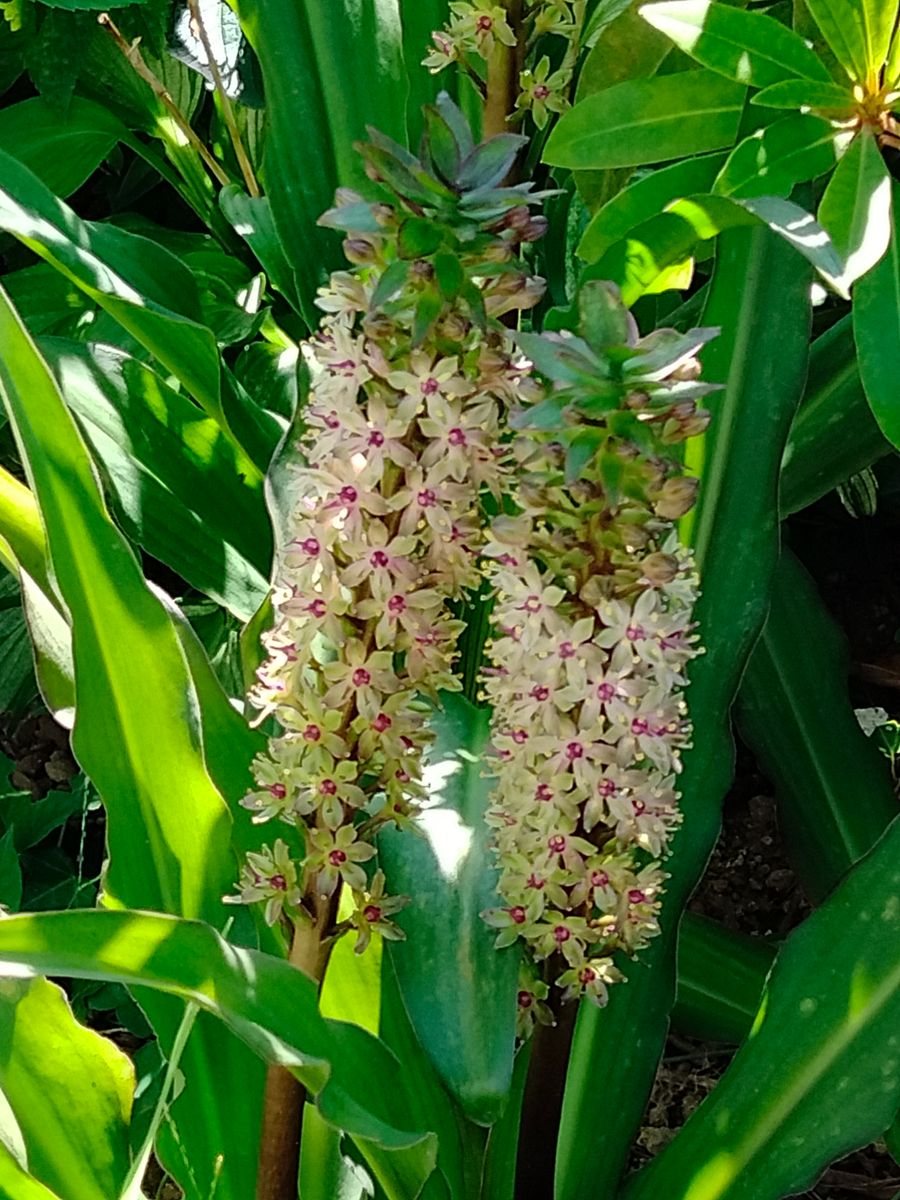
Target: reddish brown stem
x,y
279,1151
504,65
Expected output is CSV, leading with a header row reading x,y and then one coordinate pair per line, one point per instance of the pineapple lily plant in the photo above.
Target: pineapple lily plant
x,y
403,407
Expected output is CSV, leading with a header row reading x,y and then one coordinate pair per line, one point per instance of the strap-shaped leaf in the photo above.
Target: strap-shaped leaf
x,y
820,1074
62,149
648,121
778,156
748,47
858,32
269,1004
458,990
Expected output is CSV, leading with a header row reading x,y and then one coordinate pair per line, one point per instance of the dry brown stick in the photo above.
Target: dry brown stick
x,y
227,110
133,54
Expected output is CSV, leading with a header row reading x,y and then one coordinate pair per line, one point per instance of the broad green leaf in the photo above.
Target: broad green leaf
x,y
834,434
643,199
876,330
858,32
720,980
147,290
748,47
184,493
70,1089
16,1183
269,1004
735,535
856,206
805,93
834,790
251,217
637,262
775,158
648,121
174,858
89,5
10,873
62,149
820,1074
461,1003
626,49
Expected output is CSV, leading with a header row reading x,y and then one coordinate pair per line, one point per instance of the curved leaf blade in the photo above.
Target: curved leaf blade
x,y
62,149
459,991
748,47
820,1074
775,158
856,206
876,330
648,121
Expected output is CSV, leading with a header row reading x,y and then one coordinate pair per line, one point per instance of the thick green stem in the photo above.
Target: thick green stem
x,y
504,65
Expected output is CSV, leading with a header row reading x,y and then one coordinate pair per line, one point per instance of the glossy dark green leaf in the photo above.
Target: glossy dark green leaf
x,y
626,49
835,795
648,121
856,206
461,1004
10,873
735,535
748,47
857,31
805,93
834,434
720,982
820,1074
251,217
70,1089
643,199
15,1181
62,149
185,494
775,158
269,1004
876,330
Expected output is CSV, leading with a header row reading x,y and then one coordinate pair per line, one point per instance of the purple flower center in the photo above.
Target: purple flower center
x,y
310,546
381,723
507,560
317,608
278,790
376,438
372,912
557,843
588,975
348,494
331,421
635,633
574,750
599,879
543,792
312,733
561,934
639,807
520,737
534,882
541,92
361,677
456,437
639,726
525,999
606,692
426,498
378,558
328,787
606,787
484,23
566,650
430,386
539,692
396,604
517,914
278,882
532,604
337,858
636,896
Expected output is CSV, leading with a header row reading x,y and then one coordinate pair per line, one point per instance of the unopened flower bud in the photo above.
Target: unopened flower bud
x,y
344,196
660,568
360,251
677,497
